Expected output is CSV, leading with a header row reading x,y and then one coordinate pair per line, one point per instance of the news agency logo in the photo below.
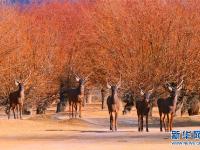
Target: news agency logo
x,y
185,137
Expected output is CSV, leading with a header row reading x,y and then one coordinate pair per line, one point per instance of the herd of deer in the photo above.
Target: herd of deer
x,y
166,106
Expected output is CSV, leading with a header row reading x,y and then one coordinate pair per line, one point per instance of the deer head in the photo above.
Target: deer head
x,y
173,88
146,95
21,84
114,87
82,80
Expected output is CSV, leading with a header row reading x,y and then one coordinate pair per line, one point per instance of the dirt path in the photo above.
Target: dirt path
x,y
56,131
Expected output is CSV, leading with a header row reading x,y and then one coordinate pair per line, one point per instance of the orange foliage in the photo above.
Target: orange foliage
x,y
148,42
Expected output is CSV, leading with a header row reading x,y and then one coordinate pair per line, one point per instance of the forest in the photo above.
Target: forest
x,y
148,42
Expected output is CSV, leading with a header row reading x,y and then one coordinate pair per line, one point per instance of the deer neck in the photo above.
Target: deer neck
x,y
81,89
175,102
114,96
21,91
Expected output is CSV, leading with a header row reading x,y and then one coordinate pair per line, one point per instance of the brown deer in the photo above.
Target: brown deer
x,y
76,96
143,106
113,103
16,100
167,106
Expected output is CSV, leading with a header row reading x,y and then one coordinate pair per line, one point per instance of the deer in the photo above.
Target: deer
x,y
76,96
167,106
113,103
143,106
16,99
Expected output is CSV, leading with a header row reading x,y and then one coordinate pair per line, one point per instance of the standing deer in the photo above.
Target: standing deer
x,y
16,100
143,107
113,103
168,106
76,96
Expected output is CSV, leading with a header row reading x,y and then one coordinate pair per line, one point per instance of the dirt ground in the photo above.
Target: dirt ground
x,y
56,131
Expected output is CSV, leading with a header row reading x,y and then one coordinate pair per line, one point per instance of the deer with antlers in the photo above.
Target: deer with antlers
x,y
76,96
167,106
113,103
16,99
143,106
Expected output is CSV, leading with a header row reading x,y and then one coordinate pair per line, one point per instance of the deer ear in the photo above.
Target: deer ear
x,y
16,82
142,92
170,88
77,79
108,85
180,87
151,91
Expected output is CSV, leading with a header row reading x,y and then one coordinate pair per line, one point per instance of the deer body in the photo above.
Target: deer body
x,y
16,100
143,107
76,96
113,103
142,110
167,107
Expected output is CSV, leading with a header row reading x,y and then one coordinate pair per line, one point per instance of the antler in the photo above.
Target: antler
x,y
169,86
167,83
180,84
108,85
86,78
151,91
76,76
141,91
120,81
26,80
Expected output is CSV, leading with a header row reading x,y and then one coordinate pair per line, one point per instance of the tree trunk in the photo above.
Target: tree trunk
x,y
61,106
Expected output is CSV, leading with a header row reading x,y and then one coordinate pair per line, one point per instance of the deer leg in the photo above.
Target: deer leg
x,y
141,122
116,115
160,121
75,109
80,107
14,112
171,121
17,111
163,120
72,109
139,128
20,111
70,104
167,128
147,128
9,112
111,121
